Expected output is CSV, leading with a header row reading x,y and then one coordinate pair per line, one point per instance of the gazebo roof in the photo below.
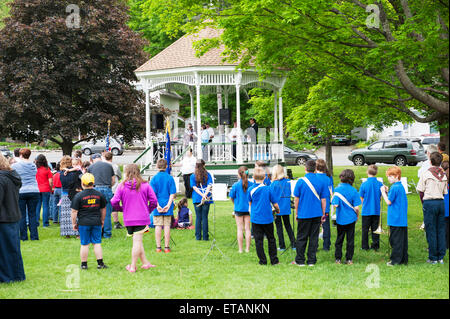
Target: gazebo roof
x,y
181,54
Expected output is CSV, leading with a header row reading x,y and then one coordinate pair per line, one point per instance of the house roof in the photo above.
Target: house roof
x,y
181,54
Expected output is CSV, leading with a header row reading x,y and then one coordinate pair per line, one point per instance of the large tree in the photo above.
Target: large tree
x,y
66,68
394,52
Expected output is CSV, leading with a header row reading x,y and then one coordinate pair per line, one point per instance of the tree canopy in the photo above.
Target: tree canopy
x,y
66,68
394,53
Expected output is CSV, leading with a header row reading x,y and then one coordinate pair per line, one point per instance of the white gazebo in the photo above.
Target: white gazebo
x,y
178,68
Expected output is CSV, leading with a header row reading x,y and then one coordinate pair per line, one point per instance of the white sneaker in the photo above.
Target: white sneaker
x,y
441,261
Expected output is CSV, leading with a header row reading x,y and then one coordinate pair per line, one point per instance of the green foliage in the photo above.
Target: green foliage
x,y
148,24
57,80
383,67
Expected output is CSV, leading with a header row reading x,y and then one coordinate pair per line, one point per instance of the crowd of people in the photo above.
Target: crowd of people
x,y
83,197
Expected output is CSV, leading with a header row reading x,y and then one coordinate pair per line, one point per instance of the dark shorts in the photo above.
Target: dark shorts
x,y
241,214
90,234
136,229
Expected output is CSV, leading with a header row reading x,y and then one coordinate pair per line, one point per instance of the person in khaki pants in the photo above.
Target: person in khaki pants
x,y
164,187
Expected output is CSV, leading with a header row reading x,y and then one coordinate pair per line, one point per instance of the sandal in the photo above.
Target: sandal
x,y
128,267
147,266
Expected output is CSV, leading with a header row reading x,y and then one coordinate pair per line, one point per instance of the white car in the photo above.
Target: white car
x,y
99,146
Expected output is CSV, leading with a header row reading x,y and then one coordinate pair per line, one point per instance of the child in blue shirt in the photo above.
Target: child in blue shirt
x,y
201,183
261,198
309,200
370,194
239,197
281,186
346,200
323,174
165,190
397,216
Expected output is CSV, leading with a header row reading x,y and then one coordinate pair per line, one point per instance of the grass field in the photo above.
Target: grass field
x,y
52,266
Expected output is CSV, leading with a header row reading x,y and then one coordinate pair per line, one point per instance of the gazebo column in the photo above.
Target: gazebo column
x,y
199,121
191,95
239,146
275,117
280,125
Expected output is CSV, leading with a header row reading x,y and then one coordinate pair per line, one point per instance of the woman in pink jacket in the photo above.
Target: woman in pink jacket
x,y
138,200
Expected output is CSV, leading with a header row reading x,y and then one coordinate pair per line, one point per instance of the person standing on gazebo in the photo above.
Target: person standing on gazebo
x,y
189,136
205,141
233,138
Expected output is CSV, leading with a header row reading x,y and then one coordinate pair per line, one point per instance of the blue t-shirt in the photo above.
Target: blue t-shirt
x,y
309,205
282,190
371,194
240,197
328,181
196,198
183,215
345,214
397,212
261,197
163,185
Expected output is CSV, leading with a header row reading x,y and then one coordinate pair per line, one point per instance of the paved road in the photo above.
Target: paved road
x,y
340,154
126,158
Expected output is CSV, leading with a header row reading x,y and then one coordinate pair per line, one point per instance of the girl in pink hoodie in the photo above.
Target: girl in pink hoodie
x,y
136,199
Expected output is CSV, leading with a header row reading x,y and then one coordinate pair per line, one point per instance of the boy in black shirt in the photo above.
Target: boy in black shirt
x,y
88,217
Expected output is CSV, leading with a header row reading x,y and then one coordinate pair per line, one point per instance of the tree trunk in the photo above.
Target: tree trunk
x,y
443,131
67,147
329,154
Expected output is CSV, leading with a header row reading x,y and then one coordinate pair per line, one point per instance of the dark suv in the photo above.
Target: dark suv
x,y
398,151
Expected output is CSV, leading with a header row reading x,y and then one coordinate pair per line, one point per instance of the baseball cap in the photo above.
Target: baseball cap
x,y
95,156
87,179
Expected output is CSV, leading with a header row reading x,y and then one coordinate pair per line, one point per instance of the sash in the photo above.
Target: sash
x,y
311,187
339,195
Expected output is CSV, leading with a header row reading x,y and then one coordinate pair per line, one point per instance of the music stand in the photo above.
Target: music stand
x,y
219,193
292,183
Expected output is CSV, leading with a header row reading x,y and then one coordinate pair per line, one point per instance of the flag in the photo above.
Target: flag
x,y
167,153
107,141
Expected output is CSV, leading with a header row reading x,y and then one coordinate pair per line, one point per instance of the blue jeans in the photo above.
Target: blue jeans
x,y
44,202
107,226
27,205
55,210
201,221
434,219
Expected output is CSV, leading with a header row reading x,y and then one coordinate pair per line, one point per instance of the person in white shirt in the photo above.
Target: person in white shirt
x,y
210,131
189,136
425,167
233,135
187,169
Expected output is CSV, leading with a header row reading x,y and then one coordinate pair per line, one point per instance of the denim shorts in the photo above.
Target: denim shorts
x,y
90,234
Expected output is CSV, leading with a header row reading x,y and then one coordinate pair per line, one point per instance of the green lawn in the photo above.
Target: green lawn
x,y
52,263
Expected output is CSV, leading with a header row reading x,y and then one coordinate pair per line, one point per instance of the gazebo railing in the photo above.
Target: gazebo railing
x,y
215,153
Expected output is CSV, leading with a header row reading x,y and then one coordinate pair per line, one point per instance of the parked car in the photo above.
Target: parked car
x,y
99,145
431,140
297,157
342,139
398,151
6,153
